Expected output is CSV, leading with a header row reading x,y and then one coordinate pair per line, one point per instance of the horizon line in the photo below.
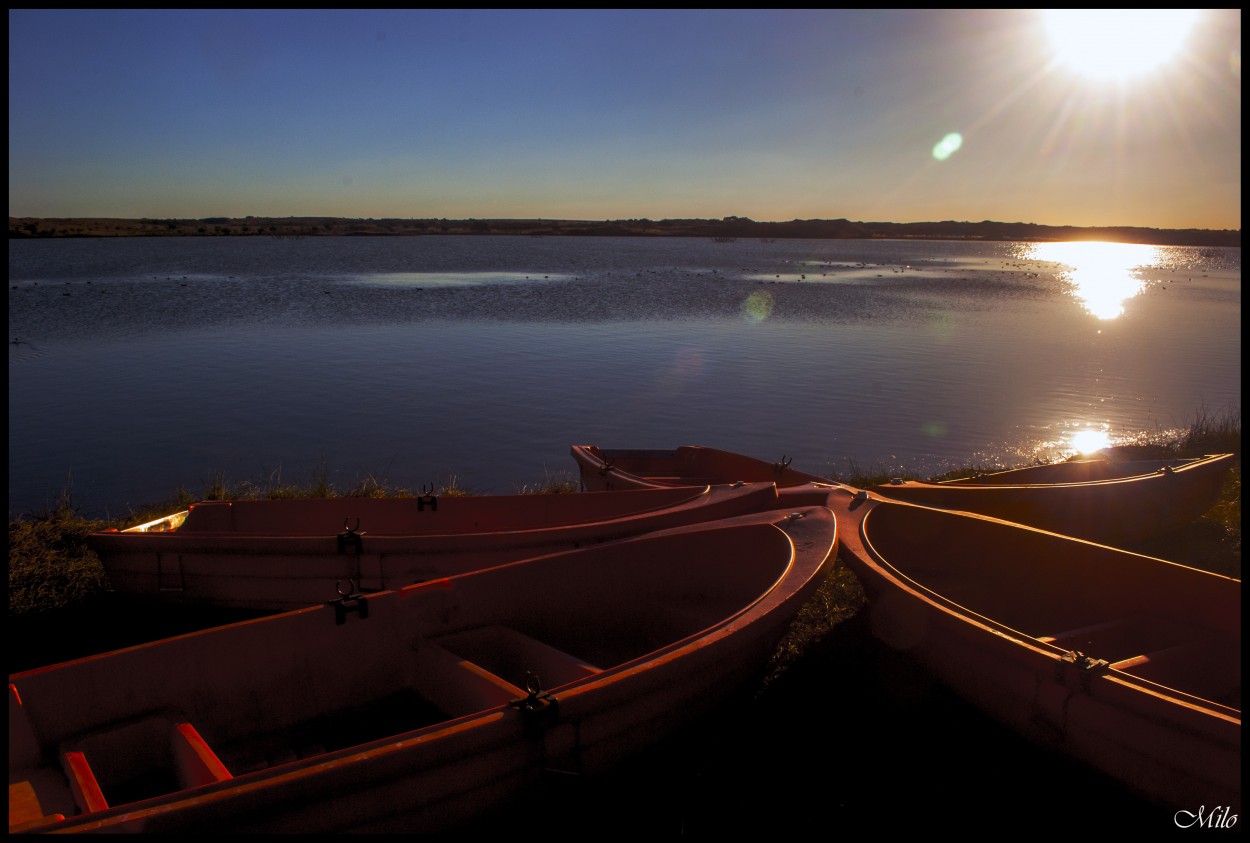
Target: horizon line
x,y
729,218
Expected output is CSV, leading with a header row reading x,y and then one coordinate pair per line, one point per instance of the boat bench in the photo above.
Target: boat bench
x,y
1174,654
36,797
169,751
1205,667
26,811
468,671
1082,635
1163,658
172,746
1123,637
458,686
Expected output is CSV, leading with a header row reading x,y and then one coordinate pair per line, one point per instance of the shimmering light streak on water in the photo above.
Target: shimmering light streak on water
x,y
1102,275
676,377
451,279
1069,439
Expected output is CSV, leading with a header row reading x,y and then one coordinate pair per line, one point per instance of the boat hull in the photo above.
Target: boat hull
x,y
276,555
1129,664
1100,500
607,469
316,719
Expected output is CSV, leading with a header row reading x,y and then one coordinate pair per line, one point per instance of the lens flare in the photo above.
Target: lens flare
x,y
757,307
948,146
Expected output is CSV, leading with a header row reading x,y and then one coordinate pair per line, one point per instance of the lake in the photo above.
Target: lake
x,y
139,366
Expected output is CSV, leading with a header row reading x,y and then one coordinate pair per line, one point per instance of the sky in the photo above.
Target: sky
x,y
868,115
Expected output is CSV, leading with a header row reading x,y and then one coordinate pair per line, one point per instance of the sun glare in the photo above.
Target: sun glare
x,y
1089,441
1101,276
1117,43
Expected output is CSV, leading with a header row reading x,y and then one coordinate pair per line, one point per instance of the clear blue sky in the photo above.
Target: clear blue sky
x,y
600,114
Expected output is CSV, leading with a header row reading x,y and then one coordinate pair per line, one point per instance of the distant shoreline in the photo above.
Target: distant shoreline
x,y
724,230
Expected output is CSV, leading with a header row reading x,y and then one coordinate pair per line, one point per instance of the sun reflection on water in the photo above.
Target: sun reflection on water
x,y
1088,440
1103,276
1079,440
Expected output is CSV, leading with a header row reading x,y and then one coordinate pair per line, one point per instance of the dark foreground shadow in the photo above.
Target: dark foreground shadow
x,y
852,737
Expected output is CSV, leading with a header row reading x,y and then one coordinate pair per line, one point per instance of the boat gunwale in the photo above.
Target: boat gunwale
x,y
959,612
1186,467
699,496
595,458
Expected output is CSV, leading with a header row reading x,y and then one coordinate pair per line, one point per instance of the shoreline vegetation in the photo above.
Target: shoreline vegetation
x,y
726,229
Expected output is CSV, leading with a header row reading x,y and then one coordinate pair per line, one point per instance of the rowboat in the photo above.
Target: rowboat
x,y
417,709
639,468
1100,500
1127,663
276,555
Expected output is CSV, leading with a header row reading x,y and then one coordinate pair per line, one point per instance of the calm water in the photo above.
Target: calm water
x,y
140,366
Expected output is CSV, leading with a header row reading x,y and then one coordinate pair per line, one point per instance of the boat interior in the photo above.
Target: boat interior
x,y
1089,470
425,515
1075,471
152,720
698,465
1168,624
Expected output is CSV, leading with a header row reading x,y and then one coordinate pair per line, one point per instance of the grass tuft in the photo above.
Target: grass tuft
x,y
50,564
1212,433
560,483
839,598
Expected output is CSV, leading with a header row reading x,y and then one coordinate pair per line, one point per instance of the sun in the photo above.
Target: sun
x,y
1110,44
1089,441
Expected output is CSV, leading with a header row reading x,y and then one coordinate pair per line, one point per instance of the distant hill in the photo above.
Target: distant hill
x,y
725,229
